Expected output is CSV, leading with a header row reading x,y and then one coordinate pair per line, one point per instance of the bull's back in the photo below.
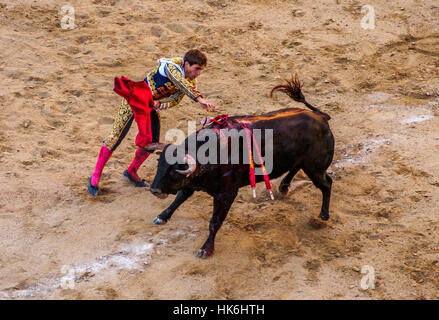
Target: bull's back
x,y
290,126
281,117
299,137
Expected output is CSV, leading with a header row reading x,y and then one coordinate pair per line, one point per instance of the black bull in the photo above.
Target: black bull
x,y
302,139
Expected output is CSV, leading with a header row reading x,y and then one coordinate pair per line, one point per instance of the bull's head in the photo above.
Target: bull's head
x,y
170,178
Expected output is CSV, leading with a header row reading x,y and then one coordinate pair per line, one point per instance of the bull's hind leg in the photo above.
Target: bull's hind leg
x,y
286,181
181,197
324,182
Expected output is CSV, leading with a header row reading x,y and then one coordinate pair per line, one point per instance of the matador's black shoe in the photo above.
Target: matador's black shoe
x,y
142,183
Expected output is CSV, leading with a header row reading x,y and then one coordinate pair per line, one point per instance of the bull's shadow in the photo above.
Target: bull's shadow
x,y
301,139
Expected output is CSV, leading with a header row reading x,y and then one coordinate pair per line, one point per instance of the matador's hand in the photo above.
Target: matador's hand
x,y
156,104
205,104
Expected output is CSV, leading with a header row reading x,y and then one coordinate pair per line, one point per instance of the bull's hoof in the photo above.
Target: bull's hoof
x,y
158,221
203,254
283,190
324,216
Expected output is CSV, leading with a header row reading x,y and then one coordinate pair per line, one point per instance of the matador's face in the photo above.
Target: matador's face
x,y
192,71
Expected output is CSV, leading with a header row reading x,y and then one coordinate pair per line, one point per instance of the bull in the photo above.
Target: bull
x,y
302,139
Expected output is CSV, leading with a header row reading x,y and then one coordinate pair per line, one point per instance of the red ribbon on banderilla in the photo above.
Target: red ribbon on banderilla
x,y
220,119
252,166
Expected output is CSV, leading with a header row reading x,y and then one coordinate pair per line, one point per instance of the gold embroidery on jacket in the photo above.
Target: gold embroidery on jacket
x,y
171,93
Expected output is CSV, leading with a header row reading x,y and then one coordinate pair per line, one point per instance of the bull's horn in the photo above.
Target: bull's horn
x,y
192,165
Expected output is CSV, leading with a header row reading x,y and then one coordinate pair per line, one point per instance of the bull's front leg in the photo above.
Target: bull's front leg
x,y
181,197
221,205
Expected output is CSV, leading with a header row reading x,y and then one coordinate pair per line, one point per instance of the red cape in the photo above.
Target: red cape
x,y
139,97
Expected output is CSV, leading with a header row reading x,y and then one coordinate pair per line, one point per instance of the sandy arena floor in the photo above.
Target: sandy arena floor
x,y
380,86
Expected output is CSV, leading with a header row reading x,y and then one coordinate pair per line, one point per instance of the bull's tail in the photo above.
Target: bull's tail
x,y
293,88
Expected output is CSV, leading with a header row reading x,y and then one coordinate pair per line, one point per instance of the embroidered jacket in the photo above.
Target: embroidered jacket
x,y
169,85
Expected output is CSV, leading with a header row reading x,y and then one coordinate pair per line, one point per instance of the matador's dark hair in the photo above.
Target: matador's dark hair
x,y
195,56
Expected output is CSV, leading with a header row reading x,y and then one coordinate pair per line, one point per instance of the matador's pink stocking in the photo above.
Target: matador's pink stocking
x,y
104,155
141,156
